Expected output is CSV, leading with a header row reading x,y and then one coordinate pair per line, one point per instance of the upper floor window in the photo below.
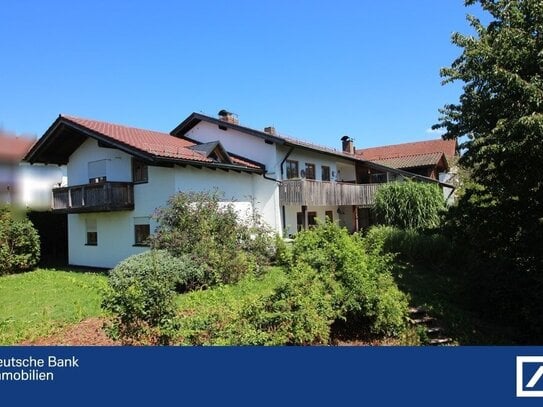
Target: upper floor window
x,y
139,171
325,173
378,178
292,169
97,171
310,171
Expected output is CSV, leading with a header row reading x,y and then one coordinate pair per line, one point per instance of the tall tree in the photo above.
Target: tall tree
x,y
500,117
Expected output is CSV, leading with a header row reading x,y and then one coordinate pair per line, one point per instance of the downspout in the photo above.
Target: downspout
x,y
280,166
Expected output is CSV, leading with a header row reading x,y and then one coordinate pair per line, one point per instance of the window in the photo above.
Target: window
x,y
300,221
139,171
378,178
292,169
310,171
97,171
329,215
311,219
325,173
142,230
92,232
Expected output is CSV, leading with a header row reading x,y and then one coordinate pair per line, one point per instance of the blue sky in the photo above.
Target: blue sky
x,y
316,70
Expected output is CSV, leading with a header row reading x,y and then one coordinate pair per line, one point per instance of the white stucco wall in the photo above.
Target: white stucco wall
x,y
116,229
237,142
118,163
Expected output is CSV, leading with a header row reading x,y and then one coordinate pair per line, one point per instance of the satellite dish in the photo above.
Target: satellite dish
x,y
302,173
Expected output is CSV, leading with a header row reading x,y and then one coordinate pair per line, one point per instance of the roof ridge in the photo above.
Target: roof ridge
x,y
75,118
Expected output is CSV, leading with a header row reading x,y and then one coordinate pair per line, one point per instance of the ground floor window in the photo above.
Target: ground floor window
x,y
300,221
329,215
312,219
92,232
142,230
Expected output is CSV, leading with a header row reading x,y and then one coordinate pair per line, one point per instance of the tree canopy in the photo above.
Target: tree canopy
x,y
499,120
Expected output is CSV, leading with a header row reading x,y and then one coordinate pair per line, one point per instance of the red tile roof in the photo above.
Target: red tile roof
x,y
14,148
412,161
153,142
448,147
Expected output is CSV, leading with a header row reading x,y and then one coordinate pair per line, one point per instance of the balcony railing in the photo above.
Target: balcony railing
x,y
100,197
317,193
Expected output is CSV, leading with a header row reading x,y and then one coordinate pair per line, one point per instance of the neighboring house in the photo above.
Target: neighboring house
x,y
23,185
118,176
431,158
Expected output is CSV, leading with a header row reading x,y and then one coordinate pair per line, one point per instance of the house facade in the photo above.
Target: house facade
x,y
118,176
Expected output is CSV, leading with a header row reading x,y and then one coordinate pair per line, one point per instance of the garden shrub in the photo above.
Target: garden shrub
x,y
366,289
198,225
427,248
298,311
19,242
409,205
141,293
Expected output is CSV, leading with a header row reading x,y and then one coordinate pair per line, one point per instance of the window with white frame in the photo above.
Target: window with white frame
x,y
91,232
97,171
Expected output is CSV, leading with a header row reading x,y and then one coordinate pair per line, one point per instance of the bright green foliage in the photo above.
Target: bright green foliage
x,y
500,214
359,280
41,302
409,205
141,295
19,242
198,225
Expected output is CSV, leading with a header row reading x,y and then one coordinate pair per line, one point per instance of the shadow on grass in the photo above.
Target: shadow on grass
x,y
444,294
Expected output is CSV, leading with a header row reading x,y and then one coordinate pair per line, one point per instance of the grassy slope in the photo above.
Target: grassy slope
x,y
207,313
38,303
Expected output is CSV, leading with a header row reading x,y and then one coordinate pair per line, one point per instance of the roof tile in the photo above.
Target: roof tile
x,y
156,143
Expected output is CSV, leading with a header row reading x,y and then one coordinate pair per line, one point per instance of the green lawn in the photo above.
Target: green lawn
x,y
40,302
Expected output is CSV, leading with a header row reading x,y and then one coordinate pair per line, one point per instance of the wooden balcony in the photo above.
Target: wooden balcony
x,y
100,197
317,193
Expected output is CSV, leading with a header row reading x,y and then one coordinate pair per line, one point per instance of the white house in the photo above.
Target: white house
x,y
118,176
23,185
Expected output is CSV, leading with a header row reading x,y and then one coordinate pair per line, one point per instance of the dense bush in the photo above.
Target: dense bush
x,y
365,288
409,205
19,242
141,295
297,311
430,249
198,225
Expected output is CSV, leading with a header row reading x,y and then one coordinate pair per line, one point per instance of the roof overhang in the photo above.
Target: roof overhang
x,y
64,137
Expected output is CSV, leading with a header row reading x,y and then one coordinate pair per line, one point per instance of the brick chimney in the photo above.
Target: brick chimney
x,y
228,117
347,145
270,130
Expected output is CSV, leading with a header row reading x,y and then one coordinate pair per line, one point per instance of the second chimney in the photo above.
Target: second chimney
x,y
270,130
347,144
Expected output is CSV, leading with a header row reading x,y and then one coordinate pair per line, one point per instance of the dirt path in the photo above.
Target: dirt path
x,y
86,333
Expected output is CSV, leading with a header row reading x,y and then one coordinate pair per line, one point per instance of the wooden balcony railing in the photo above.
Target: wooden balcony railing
x,y
100,197
317,193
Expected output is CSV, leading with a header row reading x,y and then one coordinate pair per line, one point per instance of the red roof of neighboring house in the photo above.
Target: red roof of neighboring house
x,y
412,161
448,147
14,148
156,144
